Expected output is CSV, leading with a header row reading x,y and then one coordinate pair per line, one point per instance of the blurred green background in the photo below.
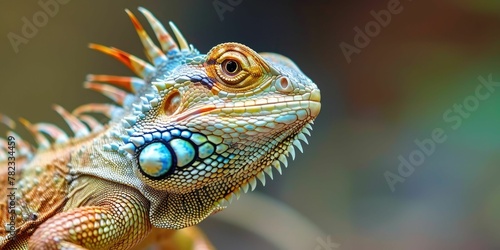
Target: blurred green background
x,y
395,91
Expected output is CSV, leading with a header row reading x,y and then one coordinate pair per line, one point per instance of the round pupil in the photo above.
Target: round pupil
x,y
231,66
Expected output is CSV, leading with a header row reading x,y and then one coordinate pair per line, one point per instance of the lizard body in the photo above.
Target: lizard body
x,y
188,135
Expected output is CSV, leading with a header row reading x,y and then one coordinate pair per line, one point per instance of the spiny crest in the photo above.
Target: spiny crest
x,y
120,89
22,148
170,49
78,121
167,57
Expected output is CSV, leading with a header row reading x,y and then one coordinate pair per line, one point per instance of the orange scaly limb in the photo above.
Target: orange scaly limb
x,y
117,219
185,239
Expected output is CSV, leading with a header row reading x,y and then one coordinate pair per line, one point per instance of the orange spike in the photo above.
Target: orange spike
x,y
3,153
78,128
7,121
101,108
166,41
3,143
138,66
130,84
91,122
57,134
148,56
180,38
23,147
152,52
113,93
41,140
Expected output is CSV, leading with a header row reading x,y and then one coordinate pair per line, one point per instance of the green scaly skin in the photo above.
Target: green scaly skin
x,y
200,129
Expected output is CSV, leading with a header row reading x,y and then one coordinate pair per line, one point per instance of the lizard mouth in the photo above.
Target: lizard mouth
x,y
260,107
313,107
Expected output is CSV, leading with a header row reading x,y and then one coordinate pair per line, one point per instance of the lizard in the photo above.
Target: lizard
x,y
184,137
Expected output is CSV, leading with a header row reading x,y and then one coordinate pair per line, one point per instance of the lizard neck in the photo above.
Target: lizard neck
x,y
92,158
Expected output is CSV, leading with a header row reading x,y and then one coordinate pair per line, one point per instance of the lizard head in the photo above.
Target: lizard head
x,y
205,127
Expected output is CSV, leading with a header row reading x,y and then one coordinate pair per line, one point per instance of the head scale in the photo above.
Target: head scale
x,y
203,127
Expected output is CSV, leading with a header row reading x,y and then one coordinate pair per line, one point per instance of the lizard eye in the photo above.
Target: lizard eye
x,y
236,68
231,67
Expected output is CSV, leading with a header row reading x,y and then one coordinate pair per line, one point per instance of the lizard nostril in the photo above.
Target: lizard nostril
x,y
283,84
172,103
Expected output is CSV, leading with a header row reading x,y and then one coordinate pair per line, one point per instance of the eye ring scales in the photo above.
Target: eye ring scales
x,y
236,68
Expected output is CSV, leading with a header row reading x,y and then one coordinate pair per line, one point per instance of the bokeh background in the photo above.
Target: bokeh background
x,y
395,91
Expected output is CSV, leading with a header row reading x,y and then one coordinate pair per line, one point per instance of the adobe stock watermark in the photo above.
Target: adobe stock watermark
x,y
223,6
326,244
362,37
453,116
31,26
